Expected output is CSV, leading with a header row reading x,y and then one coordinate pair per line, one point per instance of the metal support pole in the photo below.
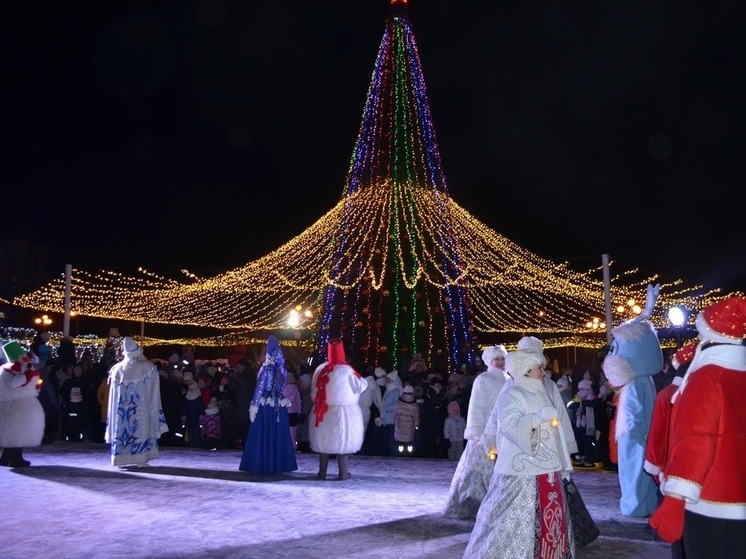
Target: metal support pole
x,y
607,296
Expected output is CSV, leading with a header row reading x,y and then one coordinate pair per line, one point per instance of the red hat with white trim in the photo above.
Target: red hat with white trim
x,y
724,321
684,356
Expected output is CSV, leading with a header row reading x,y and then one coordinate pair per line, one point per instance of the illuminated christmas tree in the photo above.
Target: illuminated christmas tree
x,y
382,300
397,267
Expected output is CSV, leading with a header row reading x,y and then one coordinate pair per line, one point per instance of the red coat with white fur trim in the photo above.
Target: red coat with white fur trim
x,y
707,447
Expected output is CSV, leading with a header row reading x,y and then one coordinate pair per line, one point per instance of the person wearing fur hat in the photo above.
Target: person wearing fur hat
x,y
269,448
586,417
406,422
532,459
634,357
704,493
474,470
336,419
488,440
391,394
135,415
21,414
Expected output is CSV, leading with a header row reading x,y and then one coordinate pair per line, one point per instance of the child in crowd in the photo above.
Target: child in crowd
x,y
211,432
453,431
406,422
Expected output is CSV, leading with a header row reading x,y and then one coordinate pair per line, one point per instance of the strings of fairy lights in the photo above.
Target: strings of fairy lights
x,y
507,284
396,267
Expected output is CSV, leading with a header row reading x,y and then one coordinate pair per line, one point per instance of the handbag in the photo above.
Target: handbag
x,y
583,527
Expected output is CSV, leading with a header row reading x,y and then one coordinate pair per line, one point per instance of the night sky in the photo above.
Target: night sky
x,y
203,135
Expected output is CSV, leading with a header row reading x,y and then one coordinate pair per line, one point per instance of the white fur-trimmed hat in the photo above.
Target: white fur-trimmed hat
x,y
534,345
519,363
491,352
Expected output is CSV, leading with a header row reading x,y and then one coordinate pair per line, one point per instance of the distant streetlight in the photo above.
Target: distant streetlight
x,y
295,317
632,308
595,323
677,316
44,321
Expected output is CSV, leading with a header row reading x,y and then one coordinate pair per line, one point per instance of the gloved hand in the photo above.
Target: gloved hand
x,y
378,421
668,519
252,412
545,414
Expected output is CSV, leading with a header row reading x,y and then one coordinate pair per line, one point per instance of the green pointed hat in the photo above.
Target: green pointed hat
x,y
13,351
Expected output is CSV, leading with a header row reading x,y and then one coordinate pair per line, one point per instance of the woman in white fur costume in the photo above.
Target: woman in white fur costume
x,y
524,514
336,421
21,414
135,416
474,470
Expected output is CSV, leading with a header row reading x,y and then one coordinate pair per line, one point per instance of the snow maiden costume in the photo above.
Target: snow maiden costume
x,y
269,448
135,419
524,514
634,357
336,421
474,470
21,414
704,503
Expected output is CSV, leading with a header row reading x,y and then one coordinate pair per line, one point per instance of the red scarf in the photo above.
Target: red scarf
x,y
319,401
336,356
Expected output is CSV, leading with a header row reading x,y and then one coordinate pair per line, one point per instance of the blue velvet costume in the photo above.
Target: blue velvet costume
x,y
269,448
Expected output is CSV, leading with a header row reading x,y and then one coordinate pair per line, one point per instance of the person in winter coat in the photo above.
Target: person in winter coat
x,y
74,395
336,419
292,393
370,403
225,392
192,409
245,381
453,431
434,413
135,416
21,414
211,430
390,397
406,422
474,471
306,403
